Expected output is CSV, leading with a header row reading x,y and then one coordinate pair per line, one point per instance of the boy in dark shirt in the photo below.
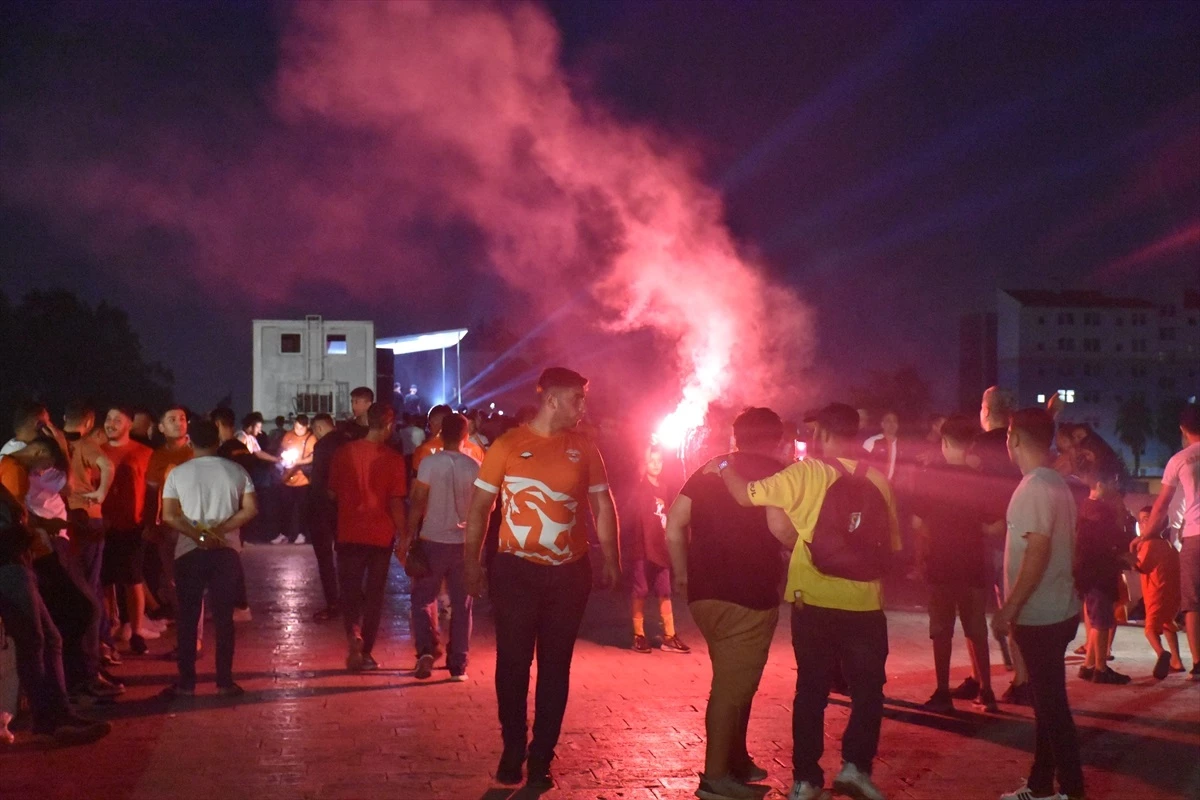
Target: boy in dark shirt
x,y
1101,555
950,511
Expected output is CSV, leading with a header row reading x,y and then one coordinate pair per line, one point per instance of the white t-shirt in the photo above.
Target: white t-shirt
x,y
869,446
450,477
1043,504
209,489
1183,471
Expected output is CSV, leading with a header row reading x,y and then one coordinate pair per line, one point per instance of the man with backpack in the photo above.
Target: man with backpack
x,y
845,516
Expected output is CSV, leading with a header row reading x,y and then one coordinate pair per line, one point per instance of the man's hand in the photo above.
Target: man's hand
x,y
713,467
96,497
610,576
1002,621
475,579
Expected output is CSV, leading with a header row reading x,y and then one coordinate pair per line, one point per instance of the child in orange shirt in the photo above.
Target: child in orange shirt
x,y
1158,563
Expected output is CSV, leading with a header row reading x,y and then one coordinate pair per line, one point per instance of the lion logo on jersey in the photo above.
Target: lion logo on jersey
x,y
540,519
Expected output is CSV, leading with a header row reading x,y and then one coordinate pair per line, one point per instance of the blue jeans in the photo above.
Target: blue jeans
x,y
39,647
218,571
445,561
74,608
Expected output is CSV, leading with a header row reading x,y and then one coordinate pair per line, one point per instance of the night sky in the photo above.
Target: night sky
x,y
895,163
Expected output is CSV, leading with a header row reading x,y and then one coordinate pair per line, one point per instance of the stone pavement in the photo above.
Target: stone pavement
x,y
633,731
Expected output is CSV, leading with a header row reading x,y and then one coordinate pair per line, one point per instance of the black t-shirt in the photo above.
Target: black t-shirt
x,y
953,502
991,448
732,556
1102,536
238,453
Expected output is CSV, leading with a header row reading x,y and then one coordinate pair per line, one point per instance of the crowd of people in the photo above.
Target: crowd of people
x,y
110,532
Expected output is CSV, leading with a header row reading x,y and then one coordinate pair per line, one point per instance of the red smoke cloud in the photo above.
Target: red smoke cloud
x,y
389,117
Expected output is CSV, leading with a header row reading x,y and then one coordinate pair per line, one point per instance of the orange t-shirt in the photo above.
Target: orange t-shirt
x,y
84,475
365,476
126,500
15,478
434,444
302,446
162,461
543,481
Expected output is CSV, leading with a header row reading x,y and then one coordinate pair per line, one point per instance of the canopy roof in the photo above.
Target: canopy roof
x,y
421,342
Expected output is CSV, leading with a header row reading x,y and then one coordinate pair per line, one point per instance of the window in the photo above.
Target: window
x,y
1066,395
1092,319
1119,347
289,343
1191,320
1139,371
1041,399
1119,321
1067,345
335,344
1139,346
1167,311
1066,319
1091,345
1138,318
1166,334
1041,320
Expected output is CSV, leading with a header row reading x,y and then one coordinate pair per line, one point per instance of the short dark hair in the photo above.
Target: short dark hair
x,y
279,420
51,445
222,416
322,417
960,429
253,418
126,410
454,426
380,415
77,411
301,419
839,420
204,434
1034,422
363,392
561,378
757,427
1189,419
438,412
169,409
27,413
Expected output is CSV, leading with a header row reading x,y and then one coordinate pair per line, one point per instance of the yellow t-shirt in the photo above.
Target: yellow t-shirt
x,y
799,489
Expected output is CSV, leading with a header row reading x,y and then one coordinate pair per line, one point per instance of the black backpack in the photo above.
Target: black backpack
x,y
852,538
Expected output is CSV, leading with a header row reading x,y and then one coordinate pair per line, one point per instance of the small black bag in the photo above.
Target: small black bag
x,y
416,564
852,538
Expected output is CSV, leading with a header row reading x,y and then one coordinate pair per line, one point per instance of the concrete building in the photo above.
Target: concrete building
x,y
1096,352
309,366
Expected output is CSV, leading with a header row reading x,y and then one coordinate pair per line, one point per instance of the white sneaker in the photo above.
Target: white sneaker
x,y
280,539
153,624
804,790
148,633
1025,793
461,677
300,540
242,614
853,782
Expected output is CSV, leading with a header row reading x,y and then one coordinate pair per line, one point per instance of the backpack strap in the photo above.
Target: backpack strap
x,y
836,463
860,469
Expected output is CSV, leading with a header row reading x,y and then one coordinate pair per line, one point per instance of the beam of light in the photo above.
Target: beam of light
x,y
950,147
1186,238
848,86
528,337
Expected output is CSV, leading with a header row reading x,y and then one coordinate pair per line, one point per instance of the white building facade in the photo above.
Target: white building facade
x,y
310,366
1096,352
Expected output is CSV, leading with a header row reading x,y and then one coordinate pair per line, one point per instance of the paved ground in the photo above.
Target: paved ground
x,y
633,731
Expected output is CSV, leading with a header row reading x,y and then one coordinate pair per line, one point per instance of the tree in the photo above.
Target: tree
x,y
1166,423
55,348
1134,426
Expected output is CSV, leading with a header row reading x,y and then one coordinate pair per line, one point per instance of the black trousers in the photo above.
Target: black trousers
x,y
219,572
363,571
1056,749
825,638
322,521
293,520
75,610
538,609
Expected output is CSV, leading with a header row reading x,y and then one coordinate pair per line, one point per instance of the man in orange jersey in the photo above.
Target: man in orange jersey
x,y
545,472
434,443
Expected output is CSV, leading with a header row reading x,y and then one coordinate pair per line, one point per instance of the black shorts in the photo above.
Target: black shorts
x,y
967,603
124,556
647,579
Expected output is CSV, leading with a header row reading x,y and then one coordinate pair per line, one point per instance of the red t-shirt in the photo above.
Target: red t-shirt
x,y
365,476
126,500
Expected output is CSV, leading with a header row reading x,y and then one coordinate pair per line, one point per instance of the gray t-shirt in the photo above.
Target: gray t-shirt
x,y
450,477
209,490
1043,504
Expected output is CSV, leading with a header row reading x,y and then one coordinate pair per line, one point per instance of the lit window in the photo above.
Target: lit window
x,y
335,344
1041,398
1066,395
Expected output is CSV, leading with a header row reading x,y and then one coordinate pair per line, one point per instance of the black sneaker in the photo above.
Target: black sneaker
x,y
509,770
137,645
673,644
1162,667
967,690
640,645
539,778
232,690
76,730
1110,677
987,701
748,772
369,664
1017,694
1086,673
175,690
940,701
424,666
